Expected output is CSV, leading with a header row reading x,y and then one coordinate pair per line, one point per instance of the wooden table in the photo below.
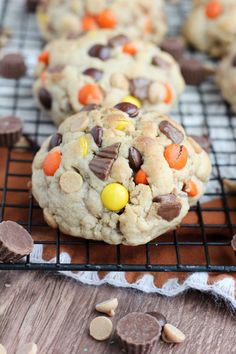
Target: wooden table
x,y
55,312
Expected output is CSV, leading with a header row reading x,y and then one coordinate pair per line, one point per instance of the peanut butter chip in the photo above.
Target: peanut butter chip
x,y
29,348
173,334
71,182
2,349
100,328
79,123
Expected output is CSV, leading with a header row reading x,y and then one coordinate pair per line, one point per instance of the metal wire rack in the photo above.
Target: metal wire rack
x,y
207,229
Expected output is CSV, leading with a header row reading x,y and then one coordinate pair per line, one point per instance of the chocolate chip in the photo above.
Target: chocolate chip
x,y
100,51
31,5
171,132
159,317
118,40
203,141
45,98
174,46
89,107
109,152
135,158
56,140
128,108
10,130
234,61
94,73
97,134
194,71
158,61
169,207
56,69
15,242
101,167
139,87
12,66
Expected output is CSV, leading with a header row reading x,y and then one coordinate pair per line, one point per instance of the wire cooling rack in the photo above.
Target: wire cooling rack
x,y
206,231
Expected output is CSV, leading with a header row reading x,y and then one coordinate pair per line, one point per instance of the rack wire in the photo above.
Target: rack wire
x,y
209,226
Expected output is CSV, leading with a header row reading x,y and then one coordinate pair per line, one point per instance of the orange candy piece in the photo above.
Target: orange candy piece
x,y
176,155
44,57
88,23
140,177
213,9
90,93
169,95
148,27
106,19
51,163
129,48
190,188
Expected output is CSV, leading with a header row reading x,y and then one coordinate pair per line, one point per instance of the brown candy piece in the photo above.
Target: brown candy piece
x,y
101,167
159,317
135,159
233,244
138,332
118,40
169,207
97,134
171,132
89,107
158,61
139,87
15,242
175,46
12,66
203,141
56,140
234,61
100,51
93,73
128,108
194,71
31,5
56,69
10,130
110,152
45,98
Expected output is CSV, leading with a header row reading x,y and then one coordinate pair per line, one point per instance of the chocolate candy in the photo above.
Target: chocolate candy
x,y
194,72
175,46
114,196
135,159
234,61
56,140
169,207
89,107
94,73
45,98
158,61
10,130
12,66
102,162
97,134
118,40
15,242
100,51
159,317
128,108
203,141
31,5
110,152
171,132
138,332
139,87
56,69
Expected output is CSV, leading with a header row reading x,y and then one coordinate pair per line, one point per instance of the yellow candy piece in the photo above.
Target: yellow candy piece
x,y
133,100
122,124
92,33
42,19
115,196
84,145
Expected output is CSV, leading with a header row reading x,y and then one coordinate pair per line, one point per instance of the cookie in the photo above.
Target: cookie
x,y
226,78
211,26
141,18
116,178
104,68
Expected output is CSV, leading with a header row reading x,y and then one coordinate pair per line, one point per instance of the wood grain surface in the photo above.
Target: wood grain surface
x,y
55,312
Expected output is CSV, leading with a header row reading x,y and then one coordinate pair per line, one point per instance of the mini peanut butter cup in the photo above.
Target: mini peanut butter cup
x,y
15,242
138,332
12,66
10,130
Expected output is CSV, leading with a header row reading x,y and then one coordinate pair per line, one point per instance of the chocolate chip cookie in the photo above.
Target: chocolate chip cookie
x,y
141,18
118,175
211,26
105,68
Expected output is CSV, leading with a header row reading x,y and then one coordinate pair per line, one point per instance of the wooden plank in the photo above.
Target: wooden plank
x,y
55,312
